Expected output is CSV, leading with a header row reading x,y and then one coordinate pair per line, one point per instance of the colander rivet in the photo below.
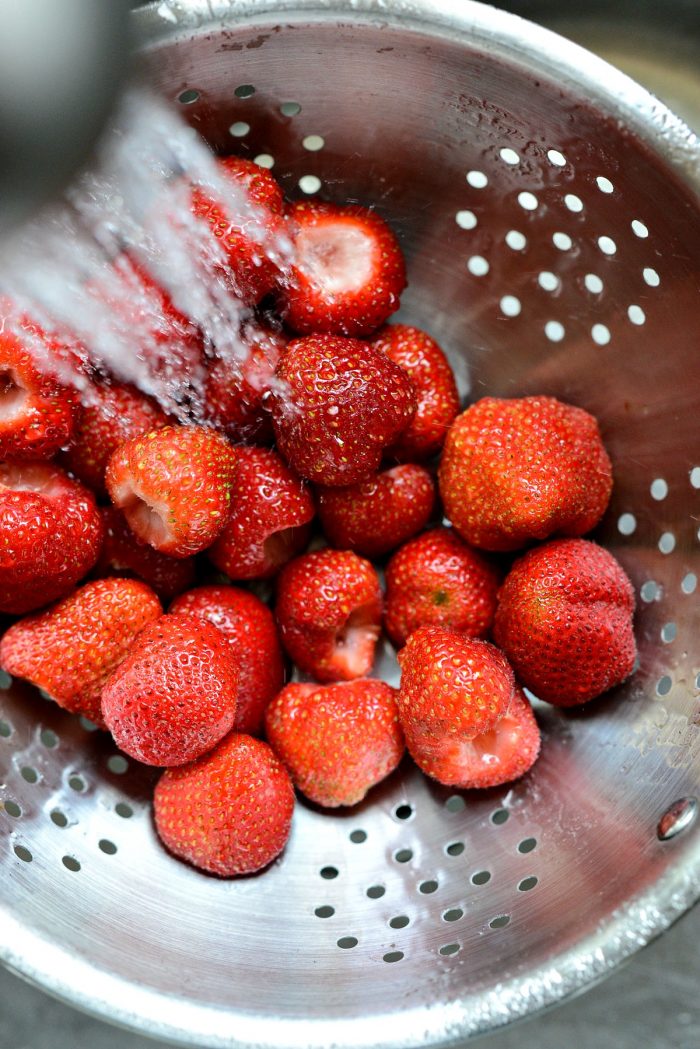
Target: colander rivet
x,y
677,817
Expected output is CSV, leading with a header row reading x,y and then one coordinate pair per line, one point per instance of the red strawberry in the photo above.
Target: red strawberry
x,y
251,630
329,610
37,414
375,516
124,554
517,470
504,753
453,688
250,270
344,403
71,648
174,696
564,620
228,813
436,390
173,485
437,580
235,391
50,535
270,521
337,741
112,414
348,271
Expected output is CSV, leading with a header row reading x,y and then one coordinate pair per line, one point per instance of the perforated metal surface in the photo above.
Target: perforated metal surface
x,y
547,210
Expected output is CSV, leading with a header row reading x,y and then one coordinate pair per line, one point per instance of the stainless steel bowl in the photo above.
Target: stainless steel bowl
x,y
549,210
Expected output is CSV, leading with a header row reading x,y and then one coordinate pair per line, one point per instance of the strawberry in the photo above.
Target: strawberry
x,y
564,620
504,753
437,580
453,689
37,413
235,391
174,696
436,390
343,404
376,515
329,610
173,485
112,414
250,271
50,535
124,554
228,813
517,470
250,628
338,740
270,520
348,271
70,649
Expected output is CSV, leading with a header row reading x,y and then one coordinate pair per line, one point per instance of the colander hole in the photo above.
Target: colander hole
x,y
509,156
392,956
528,201
59,818
453,915
668,633
593,283
88,725
29,774
107,846
239,129
264,160
290,109
313,143
664,685
478,266
5,729
481,877
346,943
659,489
329,873
527,845
477,179
651,277
667,543
556,158
449,948
244,91
604,184
500,816
12,809
71,864
428,887
403,812
358,836
455,848
23,854
309,184
403,855
455,803
516,240
375,892
325,911
636,315
5,679
188,97
695,477
48,738
510,306
466,219
573,203
117,764
500,921
626,524
639,229
562,241
527,883
607,245
554,331
548,281
399,922
689,583
649,591
600,334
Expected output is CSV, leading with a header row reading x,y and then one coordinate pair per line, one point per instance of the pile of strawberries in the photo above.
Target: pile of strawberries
x,y
114,493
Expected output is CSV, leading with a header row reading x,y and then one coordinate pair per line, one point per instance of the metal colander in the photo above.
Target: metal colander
x,y
548,209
